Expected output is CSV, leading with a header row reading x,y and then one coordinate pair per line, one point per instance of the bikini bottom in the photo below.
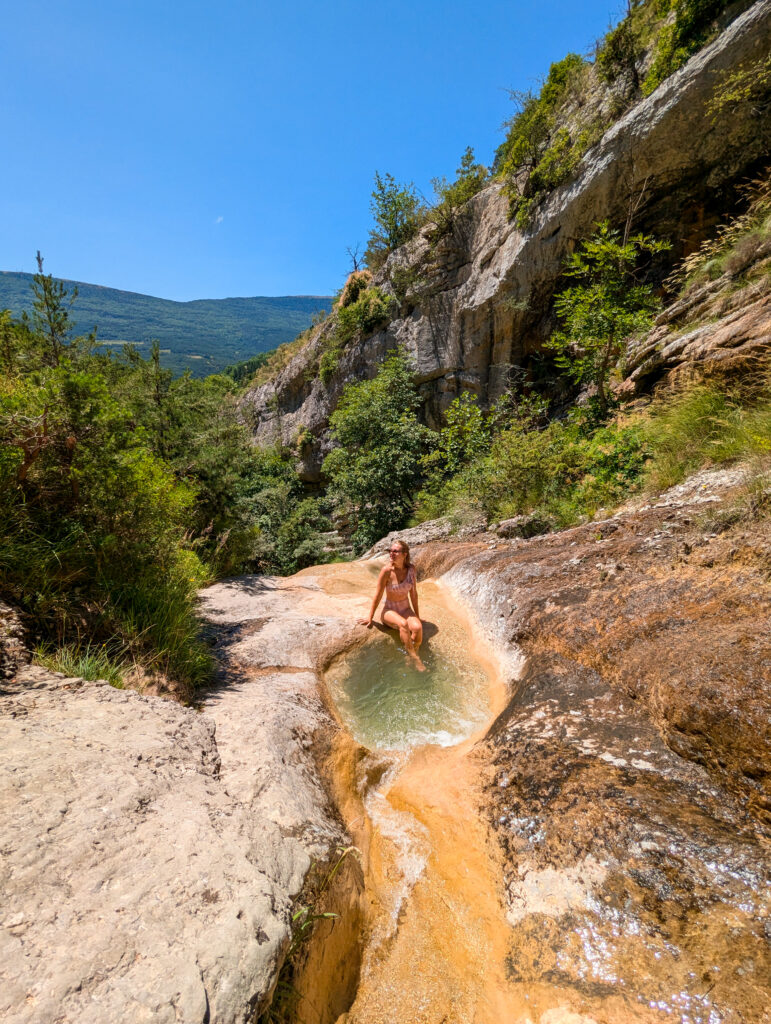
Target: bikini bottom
x,y
401,608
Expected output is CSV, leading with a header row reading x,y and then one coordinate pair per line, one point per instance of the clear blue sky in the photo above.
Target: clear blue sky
x,y
203,150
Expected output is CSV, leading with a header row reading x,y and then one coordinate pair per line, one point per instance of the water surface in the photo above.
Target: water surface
x,y
388,705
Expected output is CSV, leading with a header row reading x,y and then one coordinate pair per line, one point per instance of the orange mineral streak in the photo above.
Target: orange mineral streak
x,y
435,943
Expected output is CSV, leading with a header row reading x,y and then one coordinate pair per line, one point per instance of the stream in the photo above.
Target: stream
x,y
436,933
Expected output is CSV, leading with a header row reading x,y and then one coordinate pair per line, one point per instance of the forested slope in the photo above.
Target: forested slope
x,y
202,336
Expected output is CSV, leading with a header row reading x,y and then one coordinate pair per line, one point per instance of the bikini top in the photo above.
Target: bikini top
x,y
405,586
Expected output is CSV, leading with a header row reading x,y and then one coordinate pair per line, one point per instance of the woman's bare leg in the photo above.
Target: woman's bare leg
x,y
415,627
397,621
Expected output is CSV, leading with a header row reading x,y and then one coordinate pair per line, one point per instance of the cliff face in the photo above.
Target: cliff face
x,y
478,303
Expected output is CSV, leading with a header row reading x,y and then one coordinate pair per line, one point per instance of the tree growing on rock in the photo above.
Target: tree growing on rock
x,y
397,212
608,303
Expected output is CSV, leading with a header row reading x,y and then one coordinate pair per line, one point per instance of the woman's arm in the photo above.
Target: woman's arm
x,y
381,585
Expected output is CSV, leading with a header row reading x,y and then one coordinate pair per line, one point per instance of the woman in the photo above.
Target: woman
x,y
397,579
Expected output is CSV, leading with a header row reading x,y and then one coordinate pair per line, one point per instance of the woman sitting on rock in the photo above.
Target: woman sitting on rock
x,y
397,580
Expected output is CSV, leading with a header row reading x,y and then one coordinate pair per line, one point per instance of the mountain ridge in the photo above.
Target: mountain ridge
x,y
233,329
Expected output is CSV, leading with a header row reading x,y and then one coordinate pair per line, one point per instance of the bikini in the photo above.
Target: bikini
x,y
400,591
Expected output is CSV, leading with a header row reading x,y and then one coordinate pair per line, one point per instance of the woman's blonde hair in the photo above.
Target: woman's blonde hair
x,y
405,548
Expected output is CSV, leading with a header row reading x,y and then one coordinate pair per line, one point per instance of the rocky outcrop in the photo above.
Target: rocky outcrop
x,y
153,855
721,327
629,777
13,650
478,304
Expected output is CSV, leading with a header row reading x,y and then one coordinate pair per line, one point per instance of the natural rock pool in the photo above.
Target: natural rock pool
x,y
388,705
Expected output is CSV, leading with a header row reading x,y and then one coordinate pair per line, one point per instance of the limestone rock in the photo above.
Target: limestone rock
x,y
629,779
13,650
731,331
487,305
152,853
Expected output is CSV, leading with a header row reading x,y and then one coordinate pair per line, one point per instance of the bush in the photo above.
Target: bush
x,y
398,214
538,153
707,425
361,311
606,305
123,491
693,27
375,468
470,179
557,470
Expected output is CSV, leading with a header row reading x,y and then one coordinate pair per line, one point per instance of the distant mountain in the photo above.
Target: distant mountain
x,y
202,336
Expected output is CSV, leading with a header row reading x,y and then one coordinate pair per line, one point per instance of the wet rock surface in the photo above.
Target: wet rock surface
x,y
628,780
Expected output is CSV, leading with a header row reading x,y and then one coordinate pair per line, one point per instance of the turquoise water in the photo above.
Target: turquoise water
x,y
388,705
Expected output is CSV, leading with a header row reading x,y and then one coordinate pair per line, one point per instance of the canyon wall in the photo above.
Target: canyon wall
x,y
479,304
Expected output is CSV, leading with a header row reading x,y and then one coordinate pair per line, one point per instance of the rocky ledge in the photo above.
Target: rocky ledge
x,y
628,781
153,854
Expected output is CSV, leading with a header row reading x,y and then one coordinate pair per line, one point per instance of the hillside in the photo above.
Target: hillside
x,y
202,336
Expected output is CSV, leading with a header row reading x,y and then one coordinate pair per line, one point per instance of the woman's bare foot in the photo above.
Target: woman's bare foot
x,y
415,658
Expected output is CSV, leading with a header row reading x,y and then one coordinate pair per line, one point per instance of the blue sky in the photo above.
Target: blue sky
x,y
200,150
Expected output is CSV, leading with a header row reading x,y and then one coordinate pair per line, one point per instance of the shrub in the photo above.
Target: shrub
x,y
356,282
538,154
693,27
707,425
364,311
558,470
470,179
375,468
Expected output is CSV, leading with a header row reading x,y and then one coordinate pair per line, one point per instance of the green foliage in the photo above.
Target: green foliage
x,y
398,214
692,28
464,437
367,308
555,469
375,468
451,196
707,424
288,522
245,370
371,310
123,491
90,661
202,336
606,305
538,153
619,54
749,84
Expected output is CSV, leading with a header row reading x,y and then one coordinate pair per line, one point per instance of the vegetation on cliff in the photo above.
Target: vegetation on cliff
x,y
579,99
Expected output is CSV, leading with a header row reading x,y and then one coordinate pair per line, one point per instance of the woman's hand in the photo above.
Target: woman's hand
x,y
365,622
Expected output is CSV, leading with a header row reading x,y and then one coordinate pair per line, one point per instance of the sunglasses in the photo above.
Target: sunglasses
x,y
396,551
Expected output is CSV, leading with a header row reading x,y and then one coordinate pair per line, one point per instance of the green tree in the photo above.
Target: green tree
x,y
398,213
376,466
464,436
470,178
607,304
